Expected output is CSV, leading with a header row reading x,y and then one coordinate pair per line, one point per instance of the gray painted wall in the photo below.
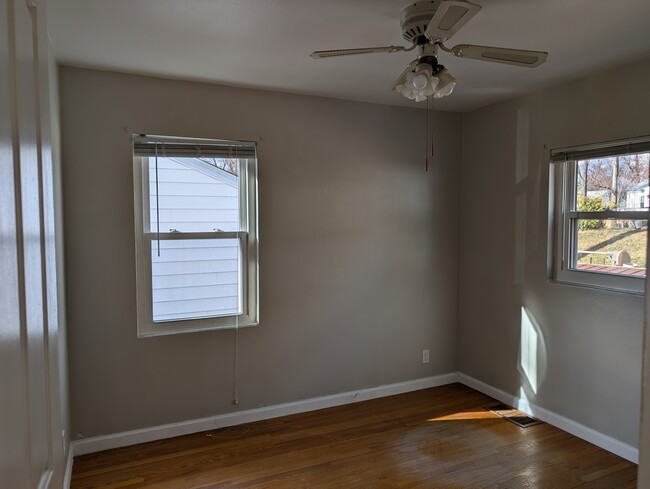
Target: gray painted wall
x,y
589,360
359,250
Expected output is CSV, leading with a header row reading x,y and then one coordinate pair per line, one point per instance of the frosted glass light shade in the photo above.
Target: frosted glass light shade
x,y
446,84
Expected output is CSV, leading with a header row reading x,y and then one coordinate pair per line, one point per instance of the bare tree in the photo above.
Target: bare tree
x,y
583,176
230,165
613,198
594,175
632,171
614,176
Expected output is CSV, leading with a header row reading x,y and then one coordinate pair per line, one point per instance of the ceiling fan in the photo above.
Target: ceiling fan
x,y
427,25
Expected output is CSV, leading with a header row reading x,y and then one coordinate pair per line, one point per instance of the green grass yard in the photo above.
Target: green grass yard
x,y
607,239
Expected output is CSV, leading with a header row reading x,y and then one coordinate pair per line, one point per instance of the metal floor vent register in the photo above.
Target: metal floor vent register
x,y
513,415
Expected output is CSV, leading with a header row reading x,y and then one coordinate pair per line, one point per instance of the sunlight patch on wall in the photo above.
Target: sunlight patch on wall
x,y
532,356
528,350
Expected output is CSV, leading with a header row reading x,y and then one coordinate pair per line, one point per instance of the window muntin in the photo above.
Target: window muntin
x,y
196,230
600,215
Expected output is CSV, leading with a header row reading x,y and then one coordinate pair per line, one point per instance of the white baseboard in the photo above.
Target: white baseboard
x,y
67,476
601,440
99,443
106,442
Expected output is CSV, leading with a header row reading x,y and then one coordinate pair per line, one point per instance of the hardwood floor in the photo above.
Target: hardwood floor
x,y
435,438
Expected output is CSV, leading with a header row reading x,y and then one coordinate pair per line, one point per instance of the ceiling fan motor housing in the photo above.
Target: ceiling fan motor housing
x,y
415,20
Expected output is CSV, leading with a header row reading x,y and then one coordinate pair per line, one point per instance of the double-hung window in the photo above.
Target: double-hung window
x,y
600,213
196,234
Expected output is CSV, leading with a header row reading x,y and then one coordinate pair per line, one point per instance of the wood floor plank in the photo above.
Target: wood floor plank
x,y
434,438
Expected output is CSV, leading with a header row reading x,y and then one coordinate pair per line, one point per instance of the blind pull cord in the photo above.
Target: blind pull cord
x,y
235,395
157,206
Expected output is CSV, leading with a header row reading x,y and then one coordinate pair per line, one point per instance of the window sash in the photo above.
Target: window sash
x,y
243,279
246,198
247,279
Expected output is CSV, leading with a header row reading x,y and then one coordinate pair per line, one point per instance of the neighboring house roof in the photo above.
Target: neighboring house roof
x,y
640,186
209,170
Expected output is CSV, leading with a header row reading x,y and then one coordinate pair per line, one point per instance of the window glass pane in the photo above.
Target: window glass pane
x,y
616,183
194,194
612,246
195,278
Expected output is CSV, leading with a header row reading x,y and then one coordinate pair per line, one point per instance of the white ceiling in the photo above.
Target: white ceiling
x,y
266,43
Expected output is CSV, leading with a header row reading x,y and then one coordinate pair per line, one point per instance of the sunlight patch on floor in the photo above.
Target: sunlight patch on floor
x,y
464,416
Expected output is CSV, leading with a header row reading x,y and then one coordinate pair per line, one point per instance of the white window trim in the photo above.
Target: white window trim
x,y
249,257
564,229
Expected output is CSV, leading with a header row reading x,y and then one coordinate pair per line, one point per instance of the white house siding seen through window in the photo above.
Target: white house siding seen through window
x,y
193,278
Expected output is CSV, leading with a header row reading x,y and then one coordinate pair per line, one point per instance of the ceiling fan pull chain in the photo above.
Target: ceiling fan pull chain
x,y
433,142
426,139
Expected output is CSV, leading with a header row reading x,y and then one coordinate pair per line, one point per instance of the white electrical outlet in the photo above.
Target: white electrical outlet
x,y
425,356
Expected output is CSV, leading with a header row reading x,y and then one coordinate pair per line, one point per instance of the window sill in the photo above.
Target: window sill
x,y
156,330
597,287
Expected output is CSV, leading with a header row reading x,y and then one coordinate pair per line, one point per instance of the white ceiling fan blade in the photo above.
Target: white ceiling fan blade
x,y
402,78
449,18
516,57
348,52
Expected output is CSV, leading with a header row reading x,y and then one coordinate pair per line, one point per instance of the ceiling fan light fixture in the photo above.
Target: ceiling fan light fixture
x,y
421,83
